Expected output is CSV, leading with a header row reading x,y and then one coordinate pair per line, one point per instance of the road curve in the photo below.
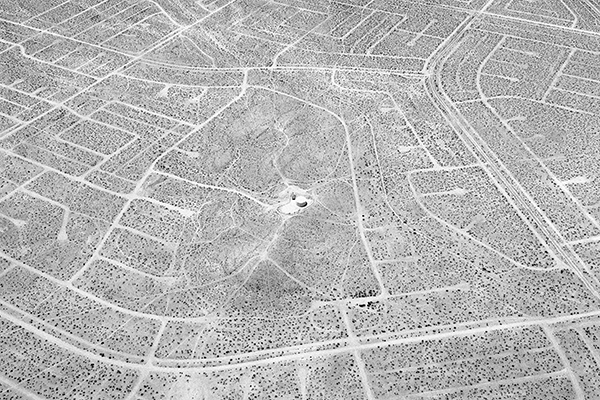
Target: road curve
x,y
494,166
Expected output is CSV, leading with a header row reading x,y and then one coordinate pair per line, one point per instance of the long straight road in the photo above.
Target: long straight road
x,y
499,173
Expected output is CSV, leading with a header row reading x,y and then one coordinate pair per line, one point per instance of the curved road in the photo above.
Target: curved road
x,y
501,176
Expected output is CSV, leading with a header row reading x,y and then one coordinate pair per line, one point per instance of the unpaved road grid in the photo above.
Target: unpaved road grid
x,y
299,199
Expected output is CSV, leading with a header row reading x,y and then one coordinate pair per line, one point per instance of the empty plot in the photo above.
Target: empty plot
x,y
100,138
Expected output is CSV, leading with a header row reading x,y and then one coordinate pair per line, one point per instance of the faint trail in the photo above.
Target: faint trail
x,y
417,196
353,341
357,202
506,183
131,62
298,356
565,361
505,124
99,300
353,344
539,23
142,180
528,378
15,387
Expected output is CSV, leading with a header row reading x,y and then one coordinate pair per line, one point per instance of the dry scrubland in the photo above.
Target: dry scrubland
x,y
300,199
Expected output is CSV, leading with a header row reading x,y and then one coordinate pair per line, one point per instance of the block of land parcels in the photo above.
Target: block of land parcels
x,y
299,199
